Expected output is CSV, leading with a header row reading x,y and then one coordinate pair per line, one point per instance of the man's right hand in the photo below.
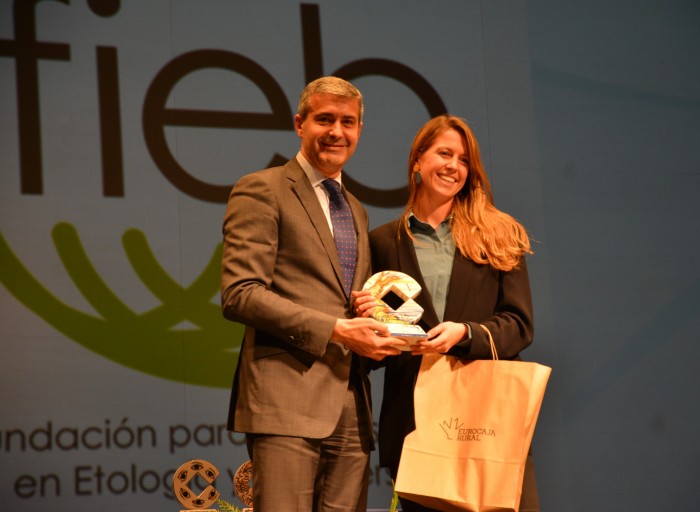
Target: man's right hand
x,y
366,337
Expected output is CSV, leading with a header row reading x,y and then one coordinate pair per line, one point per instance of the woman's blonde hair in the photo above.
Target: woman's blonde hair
x,y
481,232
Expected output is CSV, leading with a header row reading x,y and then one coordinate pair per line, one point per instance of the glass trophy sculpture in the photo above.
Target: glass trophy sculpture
x,y
394,292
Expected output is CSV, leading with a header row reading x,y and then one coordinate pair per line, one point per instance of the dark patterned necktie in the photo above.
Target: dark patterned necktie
x,y
343,231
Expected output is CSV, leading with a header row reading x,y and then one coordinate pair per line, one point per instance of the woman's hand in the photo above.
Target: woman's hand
x,y
363,303
441,338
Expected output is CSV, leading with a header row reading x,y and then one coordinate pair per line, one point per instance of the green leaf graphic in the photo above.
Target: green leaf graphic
x,y
149,342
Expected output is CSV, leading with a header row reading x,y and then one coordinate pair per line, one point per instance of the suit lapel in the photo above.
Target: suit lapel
x,y
363,266
463,283
309,201
408,264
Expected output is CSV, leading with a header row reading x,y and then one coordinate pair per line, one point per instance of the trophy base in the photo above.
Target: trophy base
x,y
410,333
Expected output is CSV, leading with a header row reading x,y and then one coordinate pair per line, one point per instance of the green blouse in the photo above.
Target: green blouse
x,y
435,250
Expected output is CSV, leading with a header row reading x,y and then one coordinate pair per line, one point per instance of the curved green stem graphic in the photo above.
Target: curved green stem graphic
x,y
150,342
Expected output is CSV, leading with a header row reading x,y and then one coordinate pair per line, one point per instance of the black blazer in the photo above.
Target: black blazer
x,y
478,294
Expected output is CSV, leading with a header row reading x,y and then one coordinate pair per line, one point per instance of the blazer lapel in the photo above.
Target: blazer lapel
x,y
363,266
408,264
463,282
309,201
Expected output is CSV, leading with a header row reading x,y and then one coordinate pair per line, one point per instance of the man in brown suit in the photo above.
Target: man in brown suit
x,y
301,392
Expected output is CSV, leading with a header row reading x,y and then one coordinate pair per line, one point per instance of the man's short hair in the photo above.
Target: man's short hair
x,y
328,85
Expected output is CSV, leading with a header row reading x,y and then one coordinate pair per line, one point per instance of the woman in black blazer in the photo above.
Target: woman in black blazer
x,y
469,259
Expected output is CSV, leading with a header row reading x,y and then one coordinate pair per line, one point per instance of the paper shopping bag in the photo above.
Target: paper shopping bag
x,y
474,423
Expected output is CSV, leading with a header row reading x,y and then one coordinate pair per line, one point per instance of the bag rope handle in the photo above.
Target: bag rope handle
x,y
494,353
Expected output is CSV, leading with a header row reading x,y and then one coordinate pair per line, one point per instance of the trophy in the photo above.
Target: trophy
x,y
201,468
394,292
242,483
181,479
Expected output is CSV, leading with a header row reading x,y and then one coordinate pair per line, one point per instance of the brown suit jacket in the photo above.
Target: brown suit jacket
x,y
281,278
